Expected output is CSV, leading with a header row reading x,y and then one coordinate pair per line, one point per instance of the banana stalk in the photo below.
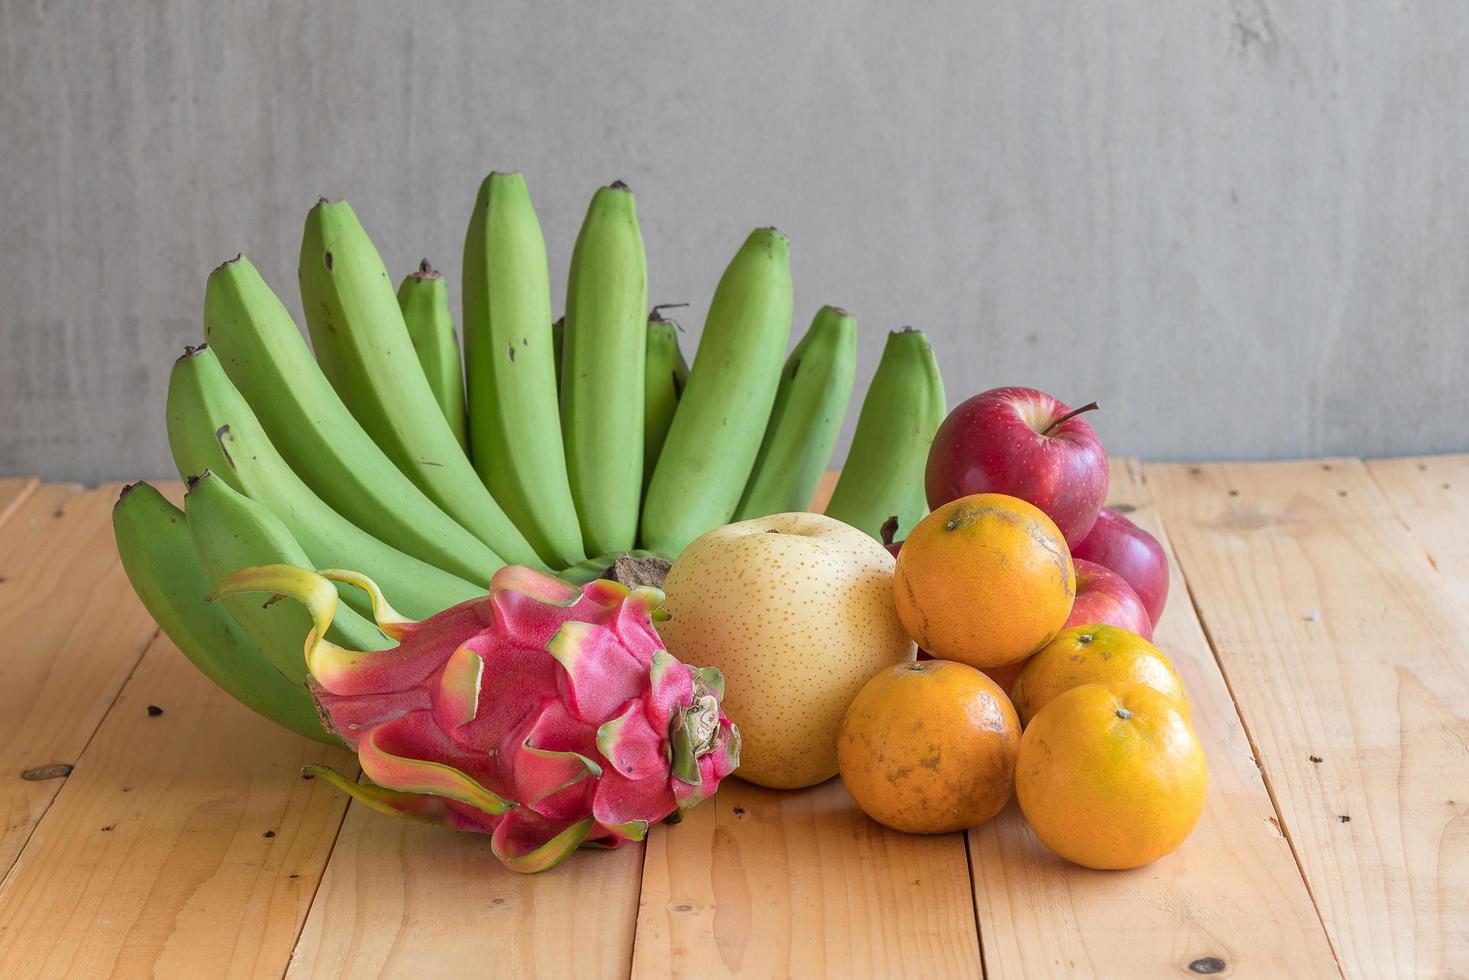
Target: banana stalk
x,y
664,378
883,475
210,427
257,342
810,405
158,557
604,359
424,301
514,422
362,345
716,432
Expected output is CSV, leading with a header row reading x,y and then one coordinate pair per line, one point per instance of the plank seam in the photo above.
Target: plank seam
x,y
316,888
1401,516
632,947
1255,754
984,969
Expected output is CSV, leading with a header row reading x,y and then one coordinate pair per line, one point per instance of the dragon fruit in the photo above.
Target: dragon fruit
x,y
545,715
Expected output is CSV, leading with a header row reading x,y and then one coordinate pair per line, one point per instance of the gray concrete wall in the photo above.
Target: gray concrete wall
x,y
1242,225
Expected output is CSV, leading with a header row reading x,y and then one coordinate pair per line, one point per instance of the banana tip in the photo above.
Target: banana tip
x,y
227,263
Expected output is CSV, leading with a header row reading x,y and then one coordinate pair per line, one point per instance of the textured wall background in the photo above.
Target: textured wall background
x,y
1243,225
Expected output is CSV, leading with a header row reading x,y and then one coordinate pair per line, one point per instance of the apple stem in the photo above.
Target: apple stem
x,y
1088,407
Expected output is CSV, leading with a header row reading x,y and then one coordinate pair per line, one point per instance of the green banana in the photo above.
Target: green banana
x,y
604,359
664,377
883,474
514,424
158,556
809,408
210,427
425,304
263,353
362,345
230,532
720,422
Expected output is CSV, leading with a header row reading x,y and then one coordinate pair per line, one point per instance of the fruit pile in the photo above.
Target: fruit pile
x,y
545,714
576,465
1046,685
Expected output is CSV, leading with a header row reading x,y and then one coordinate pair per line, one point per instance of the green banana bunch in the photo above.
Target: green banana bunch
x,y
589,435
883,475
362,346
230,532
664,377
424,300
809,408
210,427
158,557
257,342
514,424
605,352
721,418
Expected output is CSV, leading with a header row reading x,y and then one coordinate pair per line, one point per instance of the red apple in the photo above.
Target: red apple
x,y
1131,552
1103,596
1024,443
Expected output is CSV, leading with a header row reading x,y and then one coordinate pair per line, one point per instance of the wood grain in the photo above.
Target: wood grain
x,y
404,899
1231,893
764,883
13,490
1344,651
184,844
72,630
1431,496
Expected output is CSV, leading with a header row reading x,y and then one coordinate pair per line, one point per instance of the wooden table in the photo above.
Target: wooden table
x,y
1319,614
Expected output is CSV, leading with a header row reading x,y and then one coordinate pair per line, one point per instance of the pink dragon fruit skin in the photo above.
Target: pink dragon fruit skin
x,y
544,715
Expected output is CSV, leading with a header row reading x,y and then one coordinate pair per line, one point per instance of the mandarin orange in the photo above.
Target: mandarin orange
x,y
985,580
929,747
1111,775
1090,655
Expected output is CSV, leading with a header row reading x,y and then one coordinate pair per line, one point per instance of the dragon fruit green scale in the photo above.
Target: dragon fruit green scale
x,y
545,715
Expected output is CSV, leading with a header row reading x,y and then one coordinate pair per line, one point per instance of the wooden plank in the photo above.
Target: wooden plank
x,y
765,883
184,844
410,900
14,489
1232,893
1345,655
1431,496
72,631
